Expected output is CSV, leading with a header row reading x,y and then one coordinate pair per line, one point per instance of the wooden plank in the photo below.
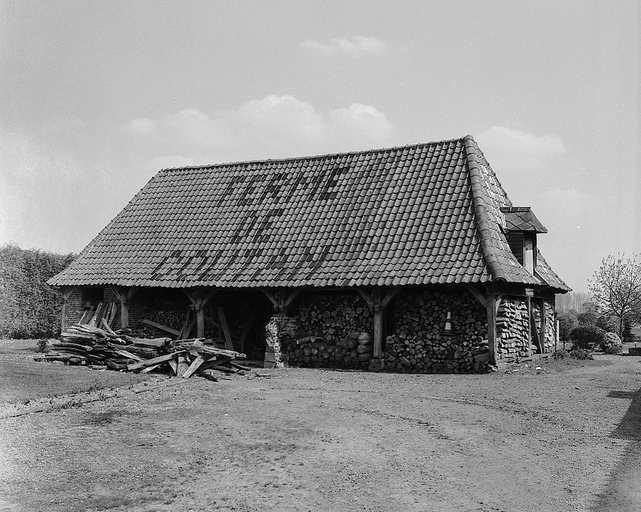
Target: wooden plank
x,y
245,330
152,368
229,345
181,335
213,322
195,364
491,324
182,365
188,329
161,327
107,327
174,366
86,315
126,353
151,362
149,342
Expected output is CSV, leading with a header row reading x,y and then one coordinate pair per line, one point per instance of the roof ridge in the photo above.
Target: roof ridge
x,y
315,157
480,210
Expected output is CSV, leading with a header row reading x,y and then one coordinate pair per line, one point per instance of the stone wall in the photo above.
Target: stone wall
x,y
437,333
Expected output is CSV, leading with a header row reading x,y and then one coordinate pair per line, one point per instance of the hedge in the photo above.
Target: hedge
x,y
29,307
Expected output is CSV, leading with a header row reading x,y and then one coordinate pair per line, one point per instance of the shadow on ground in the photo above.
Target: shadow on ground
x,y
623,490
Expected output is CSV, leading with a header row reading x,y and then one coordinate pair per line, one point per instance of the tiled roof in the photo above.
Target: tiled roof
x,y
421,214
522,218
547,276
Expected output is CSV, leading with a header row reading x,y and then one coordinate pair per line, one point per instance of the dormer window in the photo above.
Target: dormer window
x,y
521,227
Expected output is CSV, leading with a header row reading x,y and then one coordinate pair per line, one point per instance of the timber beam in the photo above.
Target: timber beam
x,y
378,302
124,294
281,300
199,299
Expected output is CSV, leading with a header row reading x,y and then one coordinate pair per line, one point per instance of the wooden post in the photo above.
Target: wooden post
x,y
229,344
200,321
491,324
124,295
281,300
543,325
529,326
377,303
378,324
199,301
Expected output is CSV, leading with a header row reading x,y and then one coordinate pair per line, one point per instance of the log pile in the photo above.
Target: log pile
x,y
550,327
333,317
512,326
118,350
352,351
329,331
438,333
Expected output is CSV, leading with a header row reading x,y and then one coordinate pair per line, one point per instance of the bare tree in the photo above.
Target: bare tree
x,y
616,287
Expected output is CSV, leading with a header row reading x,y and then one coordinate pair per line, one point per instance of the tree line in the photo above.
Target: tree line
x,y
614,300
29,307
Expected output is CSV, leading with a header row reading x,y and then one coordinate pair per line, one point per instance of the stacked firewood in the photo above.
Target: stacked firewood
x,y
512,326
118,350
329,331
334,317
352,351
437,333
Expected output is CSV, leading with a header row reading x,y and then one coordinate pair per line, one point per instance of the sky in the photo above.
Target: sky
x,y
96,97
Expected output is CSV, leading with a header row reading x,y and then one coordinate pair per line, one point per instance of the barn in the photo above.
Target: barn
x,y
409,259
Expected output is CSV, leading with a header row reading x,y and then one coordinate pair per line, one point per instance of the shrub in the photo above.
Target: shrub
x,y
567,322
580,353
29,307
611,343
575,353
587,336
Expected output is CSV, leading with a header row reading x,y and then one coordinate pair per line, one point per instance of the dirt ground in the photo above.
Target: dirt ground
x,y
543,436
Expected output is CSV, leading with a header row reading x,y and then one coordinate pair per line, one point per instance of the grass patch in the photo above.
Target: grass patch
x,y
25,380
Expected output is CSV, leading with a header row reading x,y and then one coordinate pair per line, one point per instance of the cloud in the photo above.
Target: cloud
x,y
517,150
272,127
142,126
357,46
